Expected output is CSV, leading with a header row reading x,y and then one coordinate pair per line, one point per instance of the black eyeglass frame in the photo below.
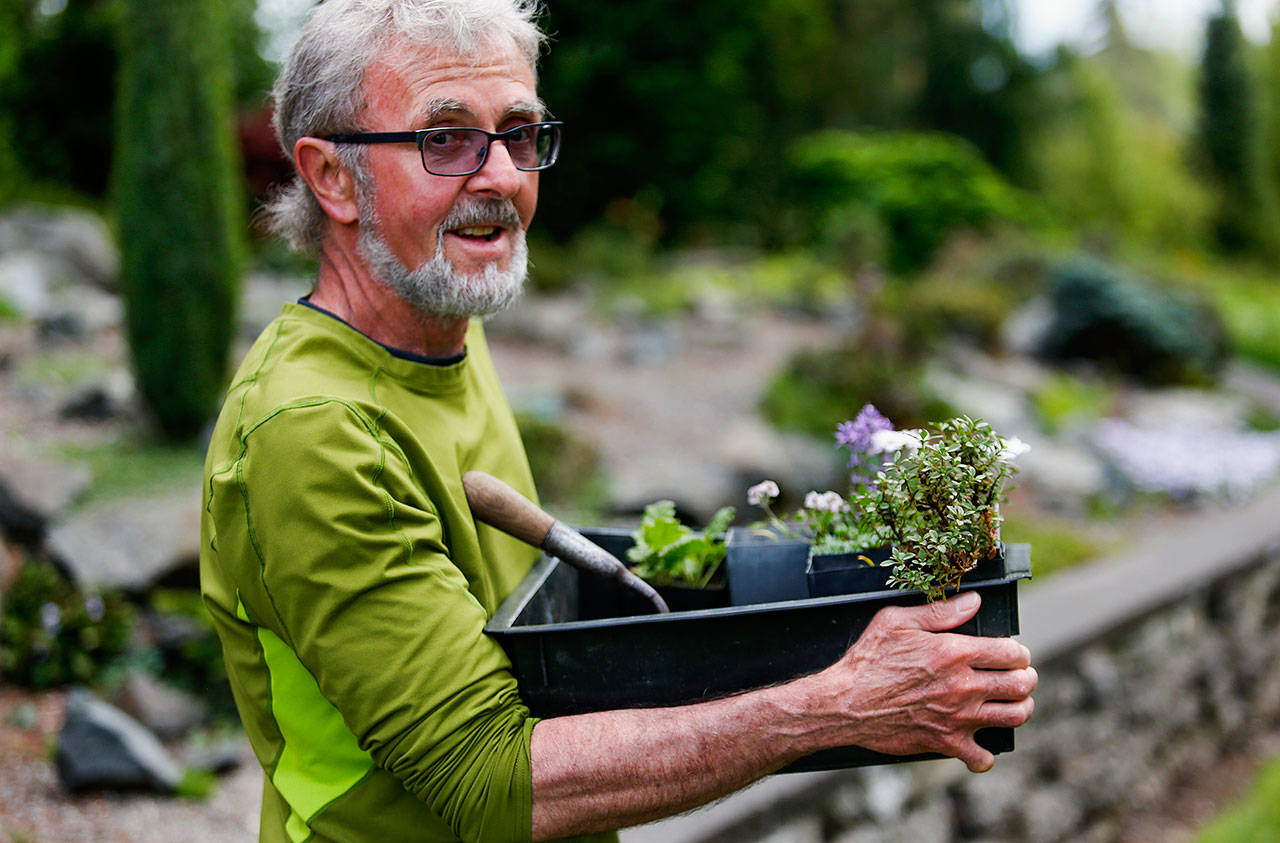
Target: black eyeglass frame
x,y
419,137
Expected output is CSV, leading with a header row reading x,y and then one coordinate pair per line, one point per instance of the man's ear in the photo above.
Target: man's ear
x,y
335,190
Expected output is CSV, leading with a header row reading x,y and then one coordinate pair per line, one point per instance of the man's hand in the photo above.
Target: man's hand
x,y
908,686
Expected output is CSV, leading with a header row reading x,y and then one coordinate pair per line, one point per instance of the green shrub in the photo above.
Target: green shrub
x,y
818,389
178,206
53,633
920,189
938,306
1065,399
1127,325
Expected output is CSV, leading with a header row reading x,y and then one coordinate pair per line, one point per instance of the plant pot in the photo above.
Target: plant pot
x,y
606,599
764,569
848,573
571,659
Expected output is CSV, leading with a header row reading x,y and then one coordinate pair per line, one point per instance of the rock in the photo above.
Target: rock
x,y
166,711
1063,475
39,287
34,491
102,399
101,747
216,758
79,240
1004,407
130,543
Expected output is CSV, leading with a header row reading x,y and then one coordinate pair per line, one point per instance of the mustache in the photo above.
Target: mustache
x,y
482,212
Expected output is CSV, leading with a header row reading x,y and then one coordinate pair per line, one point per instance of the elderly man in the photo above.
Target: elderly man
x,y
350,585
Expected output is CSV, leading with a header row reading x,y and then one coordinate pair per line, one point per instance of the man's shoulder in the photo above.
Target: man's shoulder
x,y
296,362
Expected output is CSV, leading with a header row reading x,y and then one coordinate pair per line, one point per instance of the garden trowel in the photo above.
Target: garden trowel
x,y
502,507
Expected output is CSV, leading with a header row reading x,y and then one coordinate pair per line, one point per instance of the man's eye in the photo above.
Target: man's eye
x,y
520,134
442,138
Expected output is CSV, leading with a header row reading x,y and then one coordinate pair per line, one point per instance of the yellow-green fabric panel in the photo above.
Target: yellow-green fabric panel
x,y
321,759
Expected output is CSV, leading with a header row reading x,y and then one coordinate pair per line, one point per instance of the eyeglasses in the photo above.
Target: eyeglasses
x,y
461,151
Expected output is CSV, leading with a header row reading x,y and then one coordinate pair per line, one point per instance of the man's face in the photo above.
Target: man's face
x,y
450,244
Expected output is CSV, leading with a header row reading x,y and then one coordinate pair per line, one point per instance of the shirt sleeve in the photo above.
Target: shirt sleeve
x,y
356,578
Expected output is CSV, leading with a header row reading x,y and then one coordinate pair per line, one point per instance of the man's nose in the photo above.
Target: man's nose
x,y
498,175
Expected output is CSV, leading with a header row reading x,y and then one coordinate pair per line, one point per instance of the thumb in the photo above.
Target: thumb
x,y
942,615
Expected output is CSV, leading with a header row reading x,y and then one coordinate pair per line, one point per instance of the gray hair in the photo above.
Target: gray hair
x,y
320,90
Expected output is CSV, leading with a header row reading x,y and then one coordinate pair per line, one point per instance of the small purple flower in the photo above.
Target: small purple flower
x,y
856,435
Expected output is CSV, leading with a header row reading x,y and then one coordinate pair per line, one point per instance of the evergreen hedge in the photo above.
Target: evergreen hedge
x,y
178,204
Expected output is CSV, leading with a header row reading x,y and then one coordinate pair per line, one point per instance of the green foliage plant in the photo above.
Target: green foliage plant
x,y
667,552
178,205
923,188
53,633
937,504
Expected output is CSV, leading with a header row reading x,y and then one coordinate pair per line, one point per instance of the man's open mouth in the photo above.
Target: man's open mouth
x,y
486,233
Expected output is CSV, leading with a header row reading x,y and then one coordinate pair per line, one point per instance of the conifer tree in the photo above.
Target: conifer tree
x,y
178,205
1231,141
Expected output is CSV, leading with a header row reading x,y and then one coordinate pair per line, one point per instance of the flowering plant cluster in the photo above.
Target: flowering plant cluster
x,y
932,495
52,633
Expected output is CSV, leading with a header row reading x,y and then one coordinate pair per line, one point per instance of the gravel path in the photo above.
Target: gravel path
x,y
35,809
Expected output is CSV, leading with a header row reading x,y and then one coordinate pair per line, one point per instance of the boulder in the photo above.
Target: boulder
x,y
34,491
129,543
101,747
76,239
168,712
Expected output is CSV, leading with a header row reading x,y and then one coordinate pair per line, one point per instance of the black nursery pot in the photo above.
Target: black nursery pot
x,y
848,573
571,656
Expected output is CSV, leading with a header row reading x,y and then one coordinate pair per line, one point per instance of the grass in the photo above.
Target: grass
x,y
1057,542
139,467
1256,818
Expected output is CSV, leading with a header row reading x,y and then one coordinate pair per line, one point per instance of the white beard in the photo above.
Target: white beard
x,y
437,288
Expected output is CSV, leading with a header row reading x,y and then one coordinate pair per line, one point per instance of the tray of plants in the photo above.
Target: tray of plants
x,y
779,607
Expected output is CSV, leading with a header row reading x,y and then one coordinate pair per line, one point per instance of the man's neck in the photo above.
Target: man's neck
x,y
347,290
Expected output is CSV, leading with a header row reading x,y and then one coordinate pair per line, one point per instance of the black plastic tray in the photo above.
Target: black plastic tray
x,y
570,657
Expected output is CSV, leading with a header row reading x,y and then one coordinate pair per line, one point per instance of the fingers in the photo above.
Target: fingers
x,y
1007,715
977,759
999,654
938,616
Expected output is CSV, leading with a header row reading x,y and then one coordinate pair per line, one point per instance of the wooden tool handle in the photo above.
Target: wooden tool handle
x,y
498,505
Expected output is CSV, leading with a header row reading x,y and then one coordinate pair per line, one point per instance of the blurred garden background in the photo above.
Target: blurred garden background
x,y
766,216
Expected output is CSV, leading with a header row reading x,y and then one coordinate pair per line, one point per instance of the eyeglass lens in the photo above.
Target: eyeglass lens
x,y
460,151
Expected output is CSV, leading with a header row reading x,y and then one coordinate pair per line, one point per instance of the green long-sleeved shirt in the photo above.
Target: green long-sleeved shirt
x,y
350,586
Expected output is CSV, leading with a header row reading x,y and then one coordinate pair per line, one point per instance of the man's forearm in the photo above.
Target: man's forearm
x,y
593,772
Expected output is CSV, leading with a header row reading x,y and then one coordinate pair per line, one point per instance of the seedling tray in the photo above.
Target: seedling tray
x,y
579,645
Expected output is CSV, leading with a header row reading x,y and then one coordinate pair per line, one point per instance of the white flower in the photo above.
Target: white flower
x,y
761,493
825,502
1013,448
893,441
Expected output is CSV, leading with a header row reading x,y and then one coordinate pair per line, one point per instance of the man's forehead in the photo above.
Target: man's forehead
x,y
431,81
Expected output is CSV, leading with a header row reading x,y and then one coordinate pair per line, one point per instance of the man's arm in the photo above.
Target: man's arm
x,y
906,686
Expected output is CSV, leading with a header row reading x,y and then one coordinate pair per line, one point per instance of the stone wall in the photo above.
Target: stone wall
x,y
1153,666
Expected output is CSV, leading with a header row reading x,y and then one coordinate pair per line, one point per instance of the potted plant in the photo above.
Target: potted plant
x,y
922,514
685,566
